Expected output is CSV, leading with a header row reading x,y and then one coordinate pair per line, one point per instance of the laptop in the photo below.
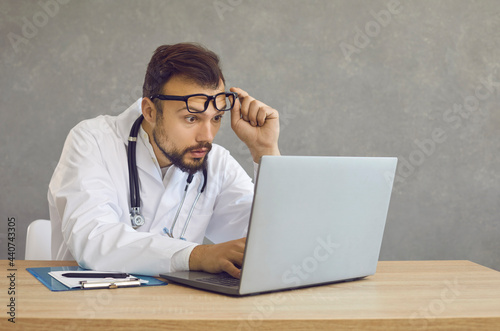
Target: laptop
x,y
315,220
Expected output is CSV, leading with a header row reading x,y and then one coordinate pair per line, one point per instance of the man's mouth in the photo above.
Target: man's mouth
x,y
199,153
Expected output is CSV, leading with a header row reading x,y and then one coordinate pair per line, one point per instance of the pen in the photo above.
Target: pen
x,y
113,284
95,275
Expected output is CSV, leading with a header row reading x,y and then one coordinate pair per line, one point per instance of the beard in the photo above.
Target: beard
x,y
176,156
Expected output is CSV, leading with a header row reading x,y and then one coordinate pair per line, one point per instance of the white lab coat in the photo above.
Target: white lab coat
x,y
89,200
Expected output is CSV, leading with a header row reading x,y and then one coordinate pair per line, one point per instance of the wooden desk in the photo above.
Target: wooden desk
x,y
415,295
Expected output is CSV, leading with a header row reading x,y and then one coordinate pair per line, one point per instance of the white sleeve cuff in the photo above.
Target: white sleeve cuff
x,y
180,259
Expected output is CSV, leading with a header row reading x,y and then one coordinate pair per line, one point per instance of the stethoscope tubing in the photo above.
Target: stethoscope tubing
x,y
132,166
201,188
170,232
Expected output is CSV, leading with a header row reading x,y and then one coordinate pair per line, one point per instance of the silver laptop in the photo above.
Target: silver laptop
x,y
314,220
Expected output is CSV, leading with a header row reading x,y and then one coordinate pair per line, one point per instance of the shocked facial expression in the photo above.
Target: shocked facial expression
x,y
185,138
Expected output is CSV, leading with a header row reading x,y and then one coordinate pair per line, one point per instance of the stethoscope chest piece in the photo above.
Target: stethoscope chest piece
x,y
136,217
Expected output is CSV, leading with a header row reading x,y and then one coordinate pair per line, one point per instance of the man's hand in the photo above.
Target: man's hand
x,y
217,258
256,124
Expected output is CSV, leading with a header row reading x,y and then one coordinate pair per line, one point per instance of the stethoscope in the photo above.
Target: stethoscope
x,y
136,217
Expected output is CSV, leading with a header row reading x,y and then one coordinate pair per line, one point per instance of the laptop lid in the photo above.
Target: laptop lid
x,y
314,220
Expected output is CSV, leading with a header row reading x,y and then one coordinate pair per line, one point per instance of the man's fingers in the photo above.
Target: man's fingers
x,y
245,108
263,113
216,258
235,113
237,258
244,100
241,93
234,257
253,110
261,117
232,270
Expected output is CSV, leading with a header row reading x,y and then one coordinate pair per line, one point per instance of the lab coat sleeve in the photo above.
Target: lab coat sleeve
x,y
233,204
95,229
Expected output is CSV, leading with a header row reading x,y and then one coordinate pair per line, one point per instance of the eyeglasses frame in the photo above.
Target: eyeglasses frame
x,y
186,97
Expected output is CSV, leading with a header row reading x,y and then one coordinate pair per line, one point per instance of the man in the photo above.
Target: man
x,y
89,193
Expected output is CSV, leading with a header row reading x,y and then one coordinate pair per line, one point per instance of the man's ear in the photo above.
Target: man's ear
x,y
149,110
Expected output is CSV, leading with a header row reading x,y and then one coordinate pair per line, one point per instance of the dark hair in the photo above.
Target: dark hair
x,y
191,60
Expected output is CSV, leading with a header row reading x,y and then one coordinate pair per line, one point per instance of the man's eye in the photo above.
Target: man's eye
x,y
218,118
191,119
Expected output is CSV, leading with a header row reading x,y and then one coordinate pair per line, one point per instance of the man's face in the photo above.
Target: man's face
x,y
185,138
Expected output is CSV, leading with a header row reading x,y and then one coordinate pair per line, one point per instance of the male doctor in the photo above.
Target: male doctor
x,y
184,101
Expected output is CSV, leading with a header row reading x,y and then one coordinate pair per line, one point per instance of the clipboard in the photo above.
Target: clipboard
x,y
42,274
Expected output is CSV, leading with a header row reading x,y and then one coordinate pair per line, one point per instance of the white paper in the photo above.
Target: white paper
x,y
75,282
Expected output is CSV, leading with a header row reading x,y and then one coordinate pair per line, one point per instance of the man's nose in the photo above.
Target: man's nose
x,y
206,132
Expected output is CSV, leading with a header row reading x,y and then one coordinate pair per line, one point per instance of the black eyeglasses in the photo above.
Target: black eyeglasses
x,y
198,103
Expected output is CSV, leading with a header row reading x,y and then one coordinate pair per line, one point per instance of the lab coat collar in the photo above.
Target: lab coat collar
x,y
143,158
125,120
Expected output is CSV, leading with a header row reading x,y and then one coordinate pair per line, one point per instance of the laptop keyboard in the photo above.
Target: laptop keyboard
x,y
220,279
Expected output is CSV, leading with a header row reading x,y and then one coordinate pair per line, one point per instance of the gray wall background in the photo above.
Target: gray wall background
x,y
349,78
